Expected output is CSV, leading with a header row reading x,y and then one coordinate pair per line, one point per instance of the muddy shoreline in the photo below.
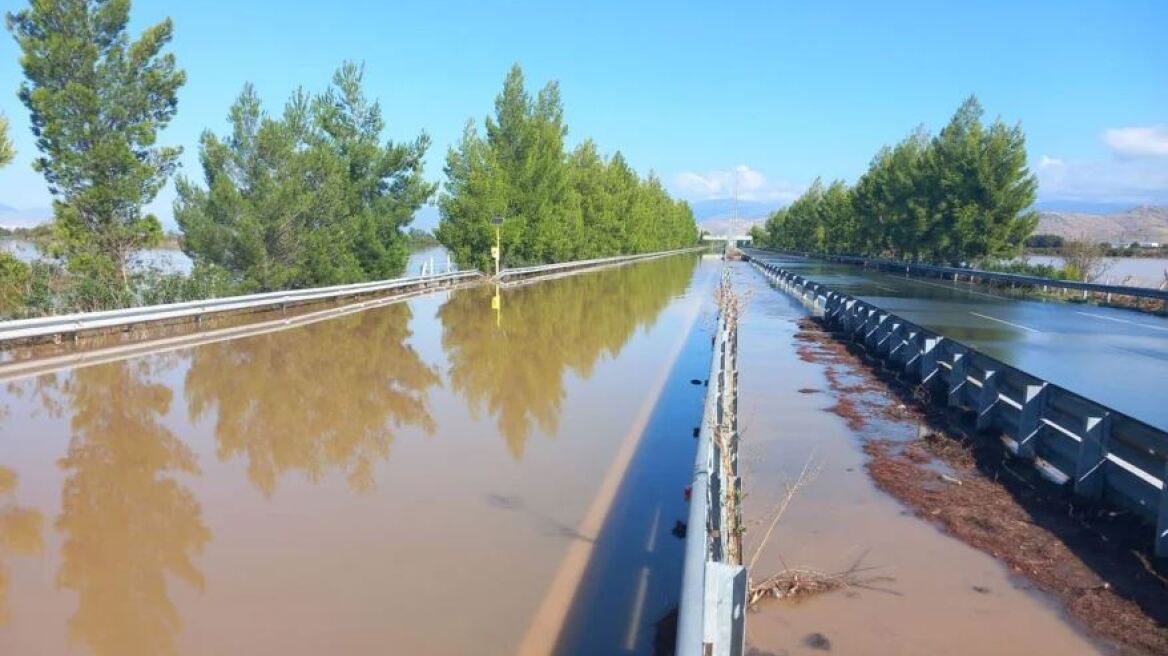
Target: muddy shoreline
x,y
1095,563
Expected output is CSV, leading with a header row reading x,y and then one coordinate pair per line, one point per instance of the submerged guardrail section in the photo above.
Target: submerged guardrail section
x,y
543,269
1101,454
711,614
41,328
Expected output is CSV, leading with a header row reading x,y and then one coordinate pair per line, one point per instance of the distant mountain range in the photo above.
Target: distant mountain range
x,y
12,217
1135,224
1096,222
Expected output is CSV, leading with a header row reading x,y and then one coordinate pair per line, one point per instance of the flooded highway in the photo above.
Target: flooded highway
x,y
1083,348
444,475
929,593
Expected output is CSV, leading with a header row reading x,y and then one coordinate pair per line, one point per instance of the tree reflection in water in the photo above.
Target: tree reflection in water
x,y
127,521
318,397
515,369
20,532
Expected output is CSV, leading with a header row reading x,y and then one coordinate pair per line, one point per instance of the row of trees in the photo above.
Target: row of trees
x,y
312,195
555,205
963,195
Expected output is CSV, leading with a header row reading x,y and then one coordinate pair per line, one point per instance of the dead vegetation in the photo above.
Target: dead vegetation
x,y
1092,560
797,584
731,305
800,582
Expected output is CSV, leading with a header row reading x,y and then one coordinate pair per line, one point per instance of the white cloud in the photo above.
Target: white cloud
x,y
749,183
1134,174
1119,180
1138,141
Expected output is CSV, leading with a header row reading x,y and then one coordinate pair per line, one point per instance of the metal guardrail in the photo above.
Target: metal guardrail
x,y
65,324
1103,455
711,614
957,273
541,269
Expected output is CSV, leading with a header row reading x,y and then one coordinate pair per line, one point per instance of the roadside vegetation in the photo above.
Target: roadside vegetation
x,y
556,204
961,196
313,194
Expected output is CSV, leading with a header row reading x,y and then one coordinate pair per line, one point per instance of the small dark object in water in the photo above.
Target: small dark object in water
x,y
981,588
695,381
817,641
697,430
679,529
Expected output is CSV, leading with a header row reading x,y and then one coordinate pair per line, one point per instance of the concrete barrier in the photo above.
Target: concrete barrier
x,y
712,611
1100,454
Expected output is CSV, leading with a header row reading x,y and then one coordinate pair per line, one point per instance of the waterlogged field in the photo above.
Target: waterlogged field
x,y
433,476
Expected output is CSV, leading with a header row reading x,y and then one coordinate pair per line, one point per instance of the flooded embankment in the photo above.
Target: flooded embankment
x,y
442,475
915,589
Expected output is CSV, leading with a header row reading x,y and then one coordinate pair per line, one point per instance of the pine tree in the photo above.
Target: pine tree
x,y
7,152
310,198
97,102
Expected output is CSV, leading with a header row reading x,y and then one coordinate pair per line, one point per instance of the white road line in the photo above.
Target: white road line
x,y
955,288
1134,323
1005,322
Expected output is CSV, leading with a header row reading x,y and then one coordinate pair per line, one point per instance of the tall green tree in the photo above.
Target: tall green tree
x,y
981,189
97,101
311,197
838,217
890,200
7,151
556,205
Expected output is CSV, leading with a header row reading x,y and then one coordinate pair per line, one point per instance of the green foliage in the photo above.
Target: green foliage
x,y
556,205
1022,267
96,102
1044,241
417,238
961,196
7,151
310,198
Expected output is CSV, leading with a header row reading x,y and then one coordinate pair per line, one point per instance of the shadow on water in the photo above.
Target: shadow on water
x,y
511,362
633,580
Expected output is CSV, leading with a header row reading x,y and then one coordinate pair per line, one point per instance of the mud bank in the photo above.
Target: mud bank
x,y
1095,562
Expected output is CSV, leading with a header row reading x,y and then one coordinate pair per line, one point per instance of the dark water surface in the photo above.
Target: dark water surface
x,y
433,476
1113,356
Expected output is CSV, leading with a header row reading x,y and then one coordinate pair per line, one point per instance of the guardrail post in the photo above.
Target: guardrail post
x,y
910,350
928,363
988,400
957,380
1030,420
1091,465
1162,517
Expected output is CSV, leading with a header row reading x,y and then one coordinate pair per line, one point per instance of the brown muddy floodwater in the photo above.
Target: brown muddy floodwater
x,y
426,477
935,595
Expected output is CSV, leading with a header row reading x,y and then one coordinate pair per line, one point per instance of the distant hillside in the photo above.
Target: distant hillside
x,y
1136,224
720,208
12,217
720,226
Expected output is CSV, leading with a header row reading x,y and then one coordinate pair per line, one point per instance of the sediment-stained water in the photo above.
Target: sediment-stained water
x,y
920,591
433,476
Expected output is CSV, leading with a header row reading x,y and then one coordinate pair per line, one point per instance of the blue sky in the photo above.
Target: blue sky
x,y
782,92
